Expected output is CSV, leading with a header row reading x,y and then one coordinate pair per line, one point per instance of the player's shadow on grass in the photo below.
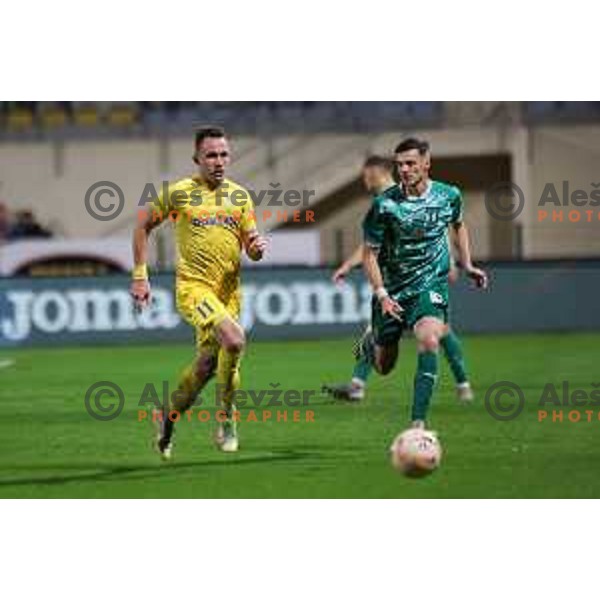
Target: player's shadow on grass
x,y
108,473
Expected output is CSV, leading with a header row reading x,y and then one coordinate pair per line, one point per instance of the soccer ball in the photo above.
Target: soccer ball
x,y
416,453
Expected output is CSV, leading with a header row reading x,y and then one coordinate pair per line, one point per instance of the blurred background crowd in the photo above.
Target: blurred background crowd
x,y
20,225
31,120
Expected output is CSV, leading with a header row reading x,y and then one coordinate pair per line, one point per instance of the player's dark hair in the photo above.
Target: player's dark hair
x,y
383,162
205,133
413,144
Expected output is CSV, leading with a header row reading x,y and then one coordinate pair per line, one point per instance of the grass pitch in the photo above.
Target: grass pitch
x,y
51,448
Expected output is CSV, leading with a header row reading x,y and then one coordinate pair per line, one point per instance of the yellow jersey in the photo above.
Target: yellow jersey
x,y
209,225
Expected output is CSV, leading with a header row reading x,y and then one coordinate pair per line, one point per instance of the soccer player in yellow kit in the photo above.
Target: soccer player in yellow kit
x,y
214,221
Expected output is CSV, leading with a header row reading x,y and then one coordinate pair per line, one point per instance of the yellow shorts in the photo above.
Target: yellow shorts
x,y
204,309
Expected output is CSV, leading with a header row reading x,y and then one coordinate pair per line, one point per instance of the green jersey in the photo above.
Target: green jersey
x,y
411,235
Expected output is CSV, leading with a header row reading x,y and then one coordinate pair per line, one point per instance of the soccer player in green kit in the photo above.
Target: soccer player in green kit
x,y
406,258
378,178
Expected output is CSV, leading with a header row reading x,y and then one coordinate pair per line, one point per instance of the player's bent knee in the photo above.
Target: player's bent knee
x,y
236,346
429,343
234,343
231,337
428,333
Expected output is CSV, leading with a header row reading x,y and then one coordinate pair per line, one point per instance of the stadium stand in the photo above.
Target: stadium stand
x,y
43,120
79,119
85,115
52,116
557,112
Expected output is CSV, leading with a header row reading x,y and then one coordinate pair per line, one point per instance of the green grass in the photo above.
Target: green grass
x,y
51,448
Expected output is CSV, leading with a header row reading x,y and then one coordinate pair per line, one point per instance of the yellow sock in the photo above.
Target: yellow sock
x,y
188,389
228,376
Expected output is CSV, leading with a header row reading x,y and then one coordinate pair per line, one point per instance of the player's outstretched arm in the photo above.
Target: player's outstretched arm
x,y
388,305
355,259
255,245
140,286
463,248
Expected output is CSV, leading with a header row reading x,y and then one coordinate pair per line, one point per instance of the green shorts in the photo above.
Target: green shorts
x,y
431,303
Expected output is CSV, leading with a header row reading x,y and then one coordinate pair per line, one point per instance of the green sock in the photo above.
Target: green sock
x,y
362,369
454,355
425,380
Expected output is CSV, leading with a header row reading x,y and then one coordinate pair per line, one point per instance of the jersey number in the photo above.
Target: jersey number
x,y
205,309
432,215
436,299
